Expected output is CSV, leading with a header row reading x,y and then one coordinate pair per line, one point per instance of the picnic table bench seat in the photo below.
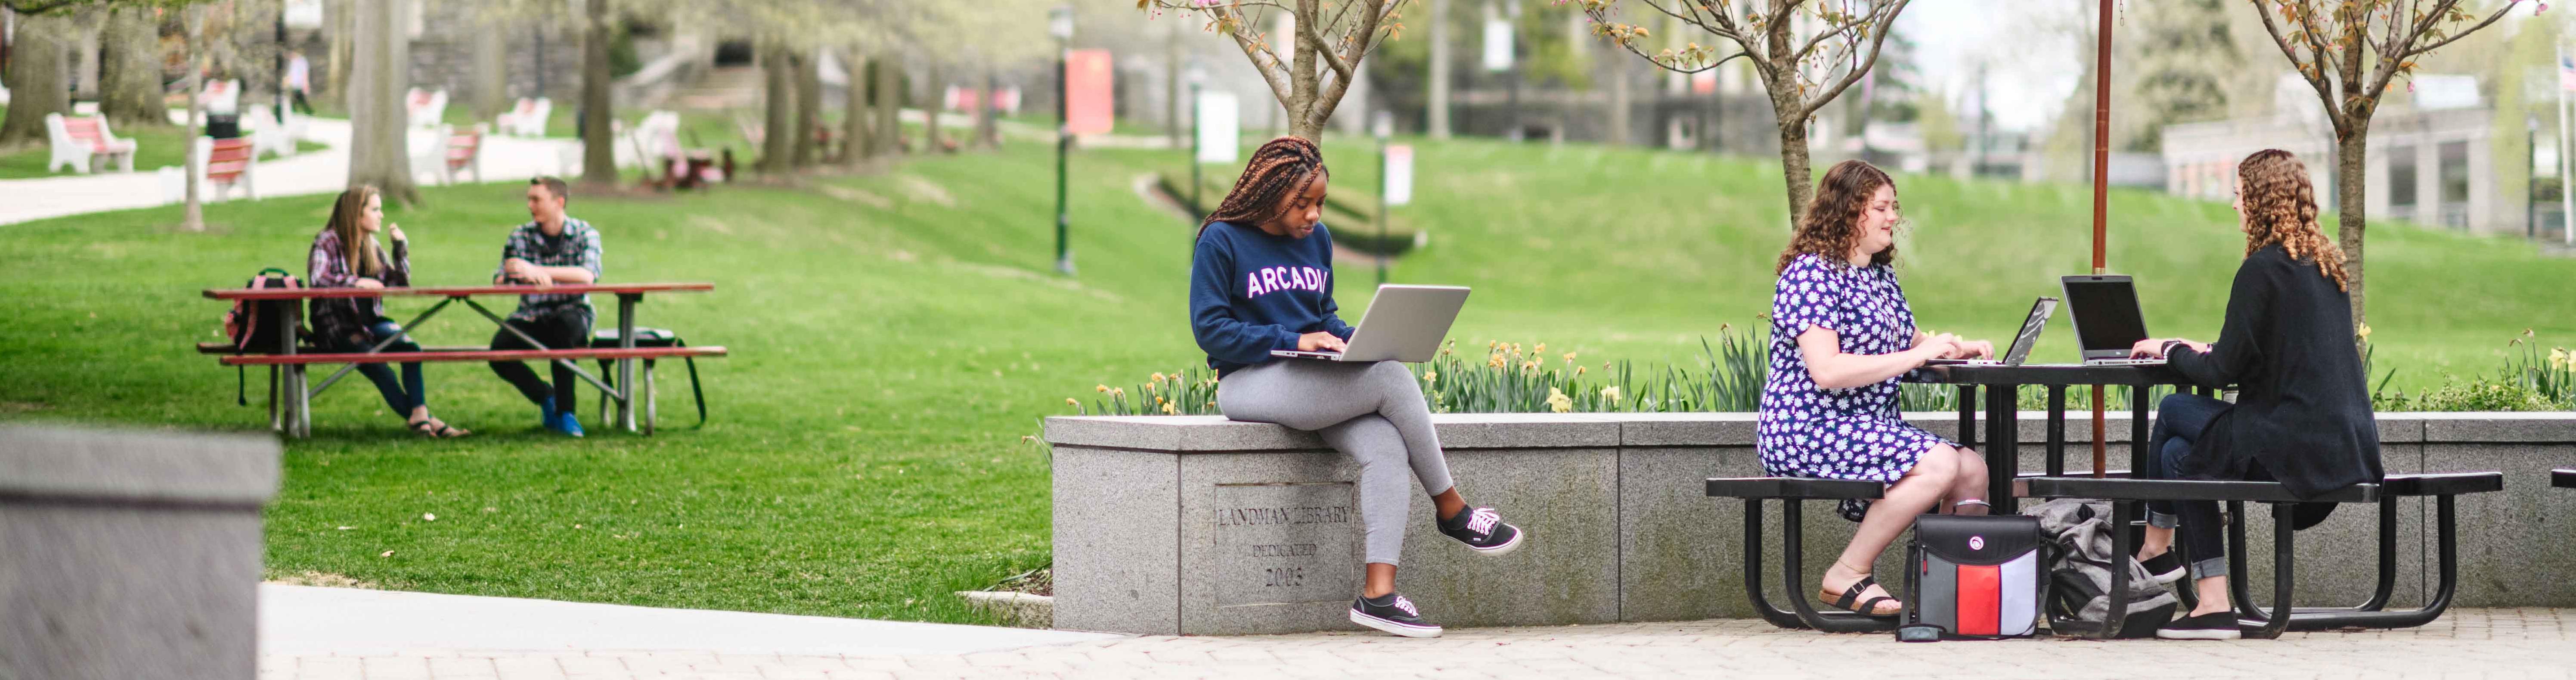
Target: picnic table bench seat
x,y
2563,478
2443,488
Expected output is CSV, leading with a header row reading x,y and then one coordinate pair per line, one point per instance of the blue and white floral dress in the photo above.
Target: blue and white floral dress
x,y
1850,433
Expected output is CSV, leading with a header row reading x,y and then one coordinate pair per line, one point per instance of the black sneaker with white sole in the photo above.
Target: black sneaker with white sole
x,y
1484,530
2164,568
2219,625
1394,614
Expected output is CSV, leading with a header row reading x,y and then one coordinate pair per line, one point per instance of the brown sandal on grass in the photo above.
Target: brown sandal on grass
x,y
434,428
1869,608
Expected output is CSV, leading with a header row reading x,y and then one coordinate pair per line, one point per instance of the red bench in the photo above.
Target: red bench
x,y
228,163
81,142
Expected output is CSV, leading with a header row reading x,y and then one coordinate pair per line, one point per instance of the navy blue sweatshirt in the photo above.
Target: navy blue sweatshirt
x,y
1251,292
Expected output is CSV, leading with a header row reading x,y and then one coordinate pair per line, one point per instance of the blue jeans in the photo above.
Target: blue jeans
x,y
401,396
2180,420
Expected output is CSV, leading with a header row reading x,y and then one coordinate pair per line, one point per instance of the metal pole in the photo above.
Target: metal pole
x,y
1382,179
2566,200
2102,197
281,63
1194,148
1063,144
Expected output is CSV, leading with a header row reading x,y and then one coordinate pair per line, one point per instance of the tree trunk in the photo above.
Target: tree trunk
x,y
194,218
857,126
988,133
598,142
2350,165
809,107
1172,86
131,93
35,79
890,90
1618,112
1793,168
779,95
1439,78
491,77
379,145
344,50
85,57
930,114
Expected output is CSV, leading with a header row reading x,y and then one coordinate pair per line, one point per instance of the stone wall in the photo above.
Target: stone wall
x,y
1200,525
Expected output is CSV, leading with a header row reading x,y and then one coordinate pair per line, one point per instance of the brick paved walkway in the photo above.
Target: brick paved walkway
x,y
2485,643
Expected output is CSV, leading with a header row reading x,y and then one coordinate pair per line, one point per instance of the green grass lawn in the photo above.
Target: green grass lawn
x,y
155,146
895,336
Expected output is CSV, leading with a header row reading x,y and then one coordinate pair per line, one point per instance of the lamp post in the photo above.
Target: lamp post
x,y
1060,25
1196,74
1382,126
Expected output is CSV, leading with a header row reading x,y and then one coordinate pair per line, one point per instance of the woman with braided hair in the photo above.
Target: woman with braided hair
x,y
2302,413
1262,280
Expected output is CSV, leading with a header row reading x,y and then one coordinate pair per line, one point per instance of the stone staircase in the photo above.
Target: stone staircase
x,y
727,87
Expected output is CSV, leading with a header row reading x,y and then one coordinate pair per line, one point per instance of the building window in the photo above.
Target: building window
x,y
2401,177
2455,172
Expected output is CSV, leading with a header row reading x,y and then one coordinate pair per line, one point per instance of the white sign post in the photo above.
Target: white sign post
x,y
1399,175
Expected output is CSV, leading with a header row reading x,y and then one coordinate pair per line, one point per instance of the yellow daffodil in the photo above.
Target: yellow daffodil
x,y
1578,371
2558,357
1558,402
1610,393
1542,349
1158,377
1168,410
1117,391
1430,376
1068,401
1100,388
1530,366
2362,333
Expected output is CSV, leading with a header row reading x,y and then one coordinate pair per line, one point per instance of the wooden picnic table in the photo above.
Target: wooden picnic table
x,y
299,422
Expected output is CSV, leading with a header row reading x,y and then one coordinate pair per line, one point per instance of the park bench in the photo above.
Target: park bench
x,y
81,142
288,380
267,134
228,163
528,118
2125,494
463,151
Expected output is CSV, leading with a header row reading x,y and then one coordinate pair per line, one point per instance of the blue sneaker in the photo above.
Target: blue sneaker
x,y
569,425
546,415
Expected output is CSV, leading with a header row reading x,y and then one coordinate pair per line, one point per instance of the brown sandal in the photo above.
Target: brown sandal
x,y
434,428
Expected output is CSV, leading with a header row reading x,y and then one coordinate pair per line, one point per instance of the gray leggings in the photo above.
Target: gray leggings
x,y
1372,411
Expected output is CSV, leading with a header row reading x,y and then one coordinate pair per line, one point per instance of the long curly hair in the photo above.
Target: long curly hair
x,y
2281,208
1832,227
1281,167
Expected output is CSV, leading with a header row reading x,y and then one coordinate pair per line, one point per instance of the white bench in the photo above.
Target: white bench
x,y
528,119
426,107
81,142
267,134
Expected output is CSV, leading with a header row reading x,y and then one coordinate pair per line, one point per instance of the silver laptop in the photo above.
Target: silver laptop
x,y
2031,326
1403,323
2107,321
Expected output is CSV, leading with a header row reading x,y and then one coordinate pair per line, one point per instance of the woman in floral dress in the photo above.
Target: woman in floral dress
x,y
1841,336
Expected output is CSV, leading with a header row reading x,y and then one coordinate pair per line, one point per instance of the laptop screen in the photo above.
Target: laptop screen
x,y
2106,314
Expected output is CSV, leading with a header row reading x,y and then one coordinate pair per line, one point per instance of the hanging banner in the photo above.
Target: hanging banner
x,y
1088,98
1498,44
1220,118
1399,174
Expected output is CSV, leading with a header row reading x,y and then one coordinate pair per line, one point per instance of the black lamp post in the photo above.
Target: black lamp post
x,y
1060,24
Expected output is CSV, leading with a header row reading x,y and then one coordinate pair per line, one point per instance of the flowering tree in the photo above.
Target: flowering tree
x,y
1806,52
1324,53
2351,52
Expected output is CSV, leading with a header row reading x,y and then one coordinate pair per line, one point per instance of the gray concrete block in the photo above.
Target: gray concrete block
x,y
1117,539
1567,572
130,554
2514,545
1684,429
1681,553
1269,542
2491,426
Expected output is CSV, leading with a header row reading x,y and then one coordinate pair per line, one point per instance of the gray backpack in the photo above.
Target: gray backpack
x,y
2081,569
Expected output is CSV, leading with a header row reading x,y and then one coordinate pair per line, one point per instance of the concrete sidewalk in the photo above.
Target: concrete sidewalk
x,y
319,172
333,634
301,621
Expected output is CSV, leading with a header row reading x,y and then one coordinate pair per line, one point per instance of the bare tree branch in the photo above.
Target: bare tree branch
x,y
2491,18
1808,108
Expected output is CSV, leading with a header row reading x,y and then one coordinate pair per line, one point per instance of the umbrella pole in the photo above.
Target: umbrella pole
x,y
2102,198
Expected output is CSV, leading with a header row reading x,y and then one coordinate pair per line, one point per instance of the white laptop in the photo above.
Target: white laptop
x,y
1403,323
2031,326
2107,321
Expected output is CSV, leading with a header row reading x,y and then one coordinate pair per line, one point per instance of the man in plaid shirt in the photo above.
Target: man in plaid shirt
x,y
552,248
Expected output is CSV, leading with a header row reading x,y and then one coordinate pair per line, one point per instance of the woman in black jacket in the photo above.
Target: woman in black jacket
x,y
2302,413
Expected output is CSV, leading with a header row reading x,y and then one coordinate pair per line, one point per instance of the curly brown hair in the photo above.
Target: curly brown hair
x,y
2281,208
1833,216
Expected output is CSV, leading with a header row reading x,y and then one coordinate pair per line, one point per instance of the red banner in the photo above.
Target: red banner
x,y
1088,99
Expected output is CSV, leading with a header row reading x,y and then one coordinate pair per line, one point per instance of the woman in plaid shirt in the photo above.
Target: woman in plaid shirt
x,y
345,256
